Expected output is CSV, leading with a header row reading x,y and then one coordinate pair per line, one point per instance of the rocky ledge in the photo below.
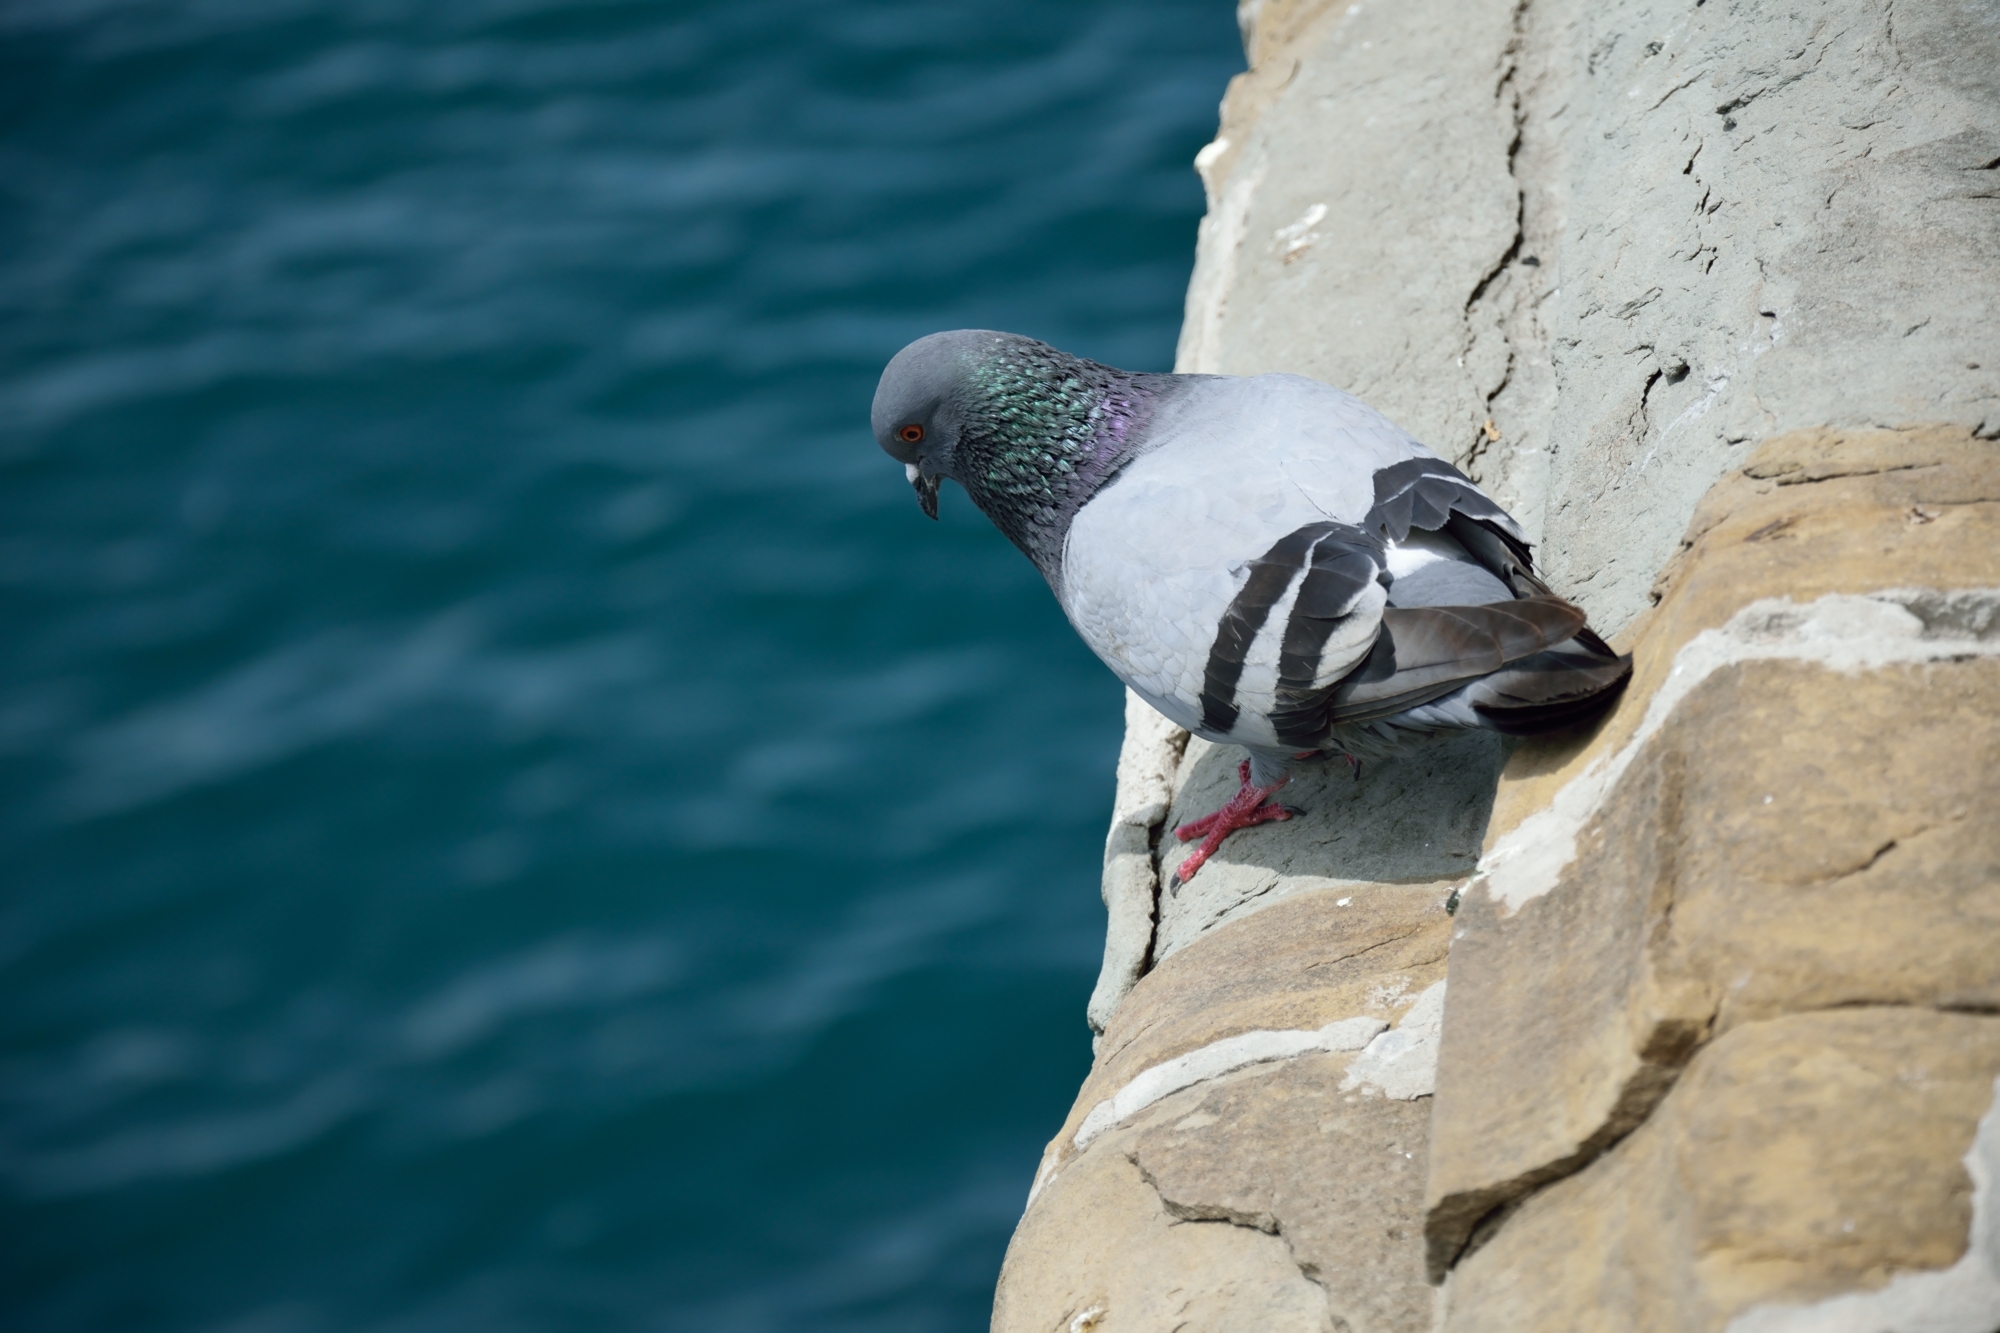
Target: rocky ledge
x,y
1702,292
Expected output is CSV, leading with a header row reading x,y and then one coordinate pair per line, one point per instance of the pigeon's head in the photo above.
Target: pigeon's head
x,y
920,405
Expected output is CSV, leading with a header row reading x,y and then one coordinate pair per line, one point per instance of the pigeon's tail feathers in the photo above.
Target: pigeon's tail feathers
x,y
1569,683
1501,551
1425,652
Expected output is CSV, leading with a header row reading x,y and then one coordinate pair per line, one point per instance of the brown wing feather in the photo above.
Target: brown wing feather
x,y
1424,652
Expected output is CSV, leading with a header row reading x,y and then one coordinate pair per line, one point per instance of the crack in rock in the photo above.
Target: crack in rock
x,y
1208,1212
1261,1221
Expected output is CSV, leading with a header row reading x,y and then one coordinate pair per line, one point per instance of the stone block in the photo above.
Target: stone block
x,y
1799,1160
1790,809
1251,1099
1271,1198
1102,1252
1339,1176
1319,957
1772,216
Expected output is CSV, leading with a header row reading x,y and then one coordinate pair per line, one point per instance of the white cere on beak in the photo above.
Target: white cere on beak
x,y
910,471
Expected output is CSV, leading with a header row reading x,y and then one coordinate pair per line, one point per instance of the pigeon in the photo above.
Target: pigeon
x,y
1266,560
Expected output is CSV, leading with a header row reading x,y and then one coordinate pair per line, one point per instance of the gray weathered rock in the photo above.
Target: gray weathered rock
x,y
1768,217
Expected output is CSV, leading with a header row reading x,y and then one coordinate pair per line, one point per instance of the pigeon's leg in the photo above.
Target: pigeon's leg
x,y
1246,809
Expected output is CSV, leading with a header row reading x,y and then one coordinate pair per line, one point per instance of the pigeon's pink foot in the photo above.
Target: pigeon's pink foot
x,y
1246,809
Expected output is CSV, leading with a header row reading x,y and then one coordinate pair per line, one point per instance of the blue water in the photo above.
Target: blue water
x,y
511,818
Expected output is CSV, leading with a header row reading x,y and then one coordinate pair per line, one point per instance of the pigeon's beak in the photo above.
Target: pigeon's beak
x,y
926,487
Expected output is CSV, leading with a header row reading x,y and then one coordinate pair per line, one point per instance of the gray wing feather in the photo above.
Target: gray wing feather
x,y
1426,652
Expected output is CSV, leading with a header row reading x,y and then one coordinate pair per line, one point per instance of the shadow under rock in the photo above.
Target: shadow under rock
x,y
1416,821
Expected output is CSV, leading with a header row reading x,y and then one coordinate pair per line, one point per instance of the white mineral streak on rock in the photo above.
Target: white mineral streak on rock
x,y
1964,1298
1219,1058
1842,631
1292,239
1402,1063
1146,764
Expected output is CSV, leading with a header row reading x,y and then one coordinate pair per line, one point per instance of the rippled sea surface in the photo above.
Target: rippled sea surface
x,y
511,818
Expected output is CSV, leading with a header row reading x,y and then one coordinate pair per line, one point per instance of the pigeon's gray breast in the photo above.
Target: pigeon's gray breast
x,y
1229,574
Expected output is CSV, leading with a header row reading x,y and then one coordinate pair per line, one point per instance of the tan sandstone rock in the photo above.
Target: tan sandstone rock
x,y
1792,812
1307,961
1269,1199
1257,1133
1102,1252
1340,1177
1797,1159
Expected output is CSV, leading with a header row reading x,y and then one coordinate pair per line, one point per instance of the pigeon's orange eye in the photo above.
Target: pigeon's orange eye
x,y
910,434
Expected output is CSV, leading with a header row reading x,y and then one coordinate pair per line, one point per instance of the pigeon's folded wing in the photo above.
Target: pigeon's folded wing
x,y
1426,652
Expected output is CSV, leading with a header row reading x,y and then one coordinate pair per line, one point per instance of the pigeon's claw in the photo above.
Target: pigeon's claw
x,y
1246,809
